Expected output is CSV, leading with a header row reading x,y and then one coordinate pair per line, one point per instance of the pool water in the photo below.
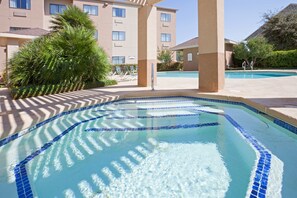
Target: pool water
x,y
238,75
163,147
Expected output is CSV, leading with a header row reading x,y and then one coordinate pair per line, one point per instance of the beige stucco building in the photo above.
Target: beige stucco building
x,y
190,51
116,25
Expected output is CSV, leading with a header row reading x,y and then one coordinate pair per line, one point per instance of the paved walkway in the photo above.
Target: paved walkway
x,y
275,96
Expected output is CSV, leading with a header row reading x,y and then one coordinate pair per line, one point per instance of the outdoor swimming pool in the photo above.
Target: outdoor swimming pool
x,y
247,74
158,147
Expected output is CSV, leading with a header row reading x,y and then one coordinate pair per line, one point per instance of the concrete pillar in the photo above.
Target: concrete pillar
x,y
211,45
147,44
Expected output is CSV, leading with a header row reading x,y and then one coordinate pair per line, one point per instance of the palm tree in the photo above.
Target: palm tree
x,y
69,54
74,17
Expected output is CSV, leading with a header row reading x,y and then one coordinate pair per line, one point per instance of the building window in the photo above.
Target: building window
x,y
165,17
165,37
190,57
22,4
91,10
116,60
57,8
118,12
118,36
96,35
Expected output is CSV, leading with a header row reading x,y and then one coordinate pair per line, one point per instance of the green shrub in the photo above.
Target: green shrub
x,y
70,54
177,66
281,59
165,57
91,85
237,62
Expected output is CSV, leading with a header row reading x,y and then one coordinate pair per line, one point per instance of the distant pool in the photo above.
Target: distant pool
x,y
246,75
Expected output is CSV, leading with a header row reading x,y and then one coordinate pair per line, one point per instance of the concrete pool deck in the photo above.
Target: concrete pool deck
x,y
275,96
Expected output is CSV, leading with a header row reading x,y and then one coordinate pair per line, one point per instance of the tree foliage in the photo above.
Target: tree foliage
x,y
253,50
165,57
281,30
241,51
69,54
74,17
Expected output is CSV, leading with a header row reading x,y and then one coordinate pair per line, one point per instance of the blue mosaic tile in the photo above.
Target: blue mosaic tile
x,y
262,162
263,191
256,188
261,195
184,126
254,192
285,125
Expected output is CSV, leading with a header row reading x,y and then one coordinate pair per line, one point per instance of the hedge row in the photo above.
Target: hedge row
x,y
105,83
40,90
281,59
177,66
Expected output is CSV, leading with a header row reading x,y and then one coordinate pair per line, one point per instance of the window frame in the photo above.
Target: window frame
x,y
88,5
165,18
59,6
167,39
29,5
118,60
191,55
118,35
116,8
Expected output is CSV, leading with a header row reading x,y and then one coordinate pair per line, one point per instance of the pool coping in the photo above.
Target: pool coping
x,y
279,118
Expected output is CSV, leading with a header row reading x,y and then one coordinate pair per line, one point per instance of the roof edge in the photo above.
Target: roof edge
x,y
17,36
180,47
163,8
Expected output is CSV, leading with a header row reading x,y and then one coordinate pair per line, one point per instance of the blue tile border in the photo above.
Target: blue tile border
x,y
22,181
260,181
285,125
170,127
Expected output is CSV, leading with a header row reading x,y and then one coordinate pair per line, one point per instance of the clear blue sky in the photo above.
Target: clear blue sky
x,y
242,17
